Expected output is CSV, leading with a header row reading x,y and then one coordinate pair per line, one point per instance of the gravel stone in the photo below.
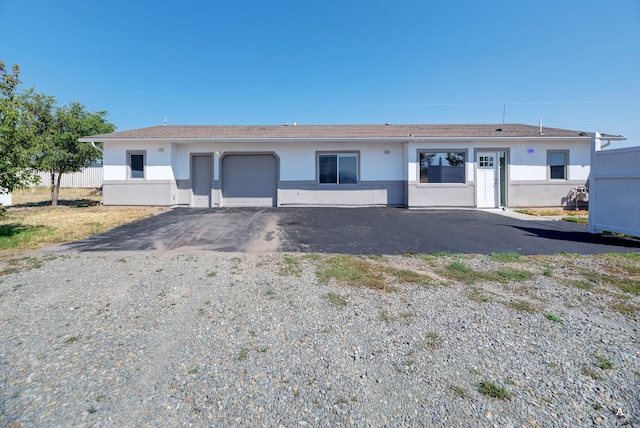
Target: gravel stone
x,y
220,339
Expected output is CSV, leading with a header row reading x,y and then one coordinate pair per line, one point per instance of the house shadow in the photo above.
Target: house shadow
x,y
579,236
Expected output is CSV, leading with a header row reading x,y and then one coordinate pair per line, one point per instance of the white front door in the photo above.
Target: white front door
x,y
487,176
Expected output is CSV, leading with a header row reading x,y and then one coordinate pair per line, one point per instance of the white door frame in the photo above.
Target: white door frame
x,y
487,179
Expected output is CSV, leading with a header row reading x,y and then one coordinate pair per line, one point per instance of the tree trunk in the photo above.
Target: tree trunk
x,y
55,187
58,185
54,192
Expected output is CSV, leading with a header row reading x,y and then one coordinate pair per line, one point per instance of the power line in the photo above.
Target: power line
x,y
491,104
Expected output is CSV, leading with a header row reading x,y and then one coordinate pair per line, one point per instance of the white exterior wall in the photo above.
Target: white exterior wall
x,y
158,160
297,160
166,161
168,170
388,172
529,159
527,178
114,159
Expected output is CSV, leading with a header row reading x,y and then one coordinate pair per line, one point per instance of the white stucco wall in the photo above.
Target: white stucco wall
x,y
297,160
384,167
529,159
158,160
166,161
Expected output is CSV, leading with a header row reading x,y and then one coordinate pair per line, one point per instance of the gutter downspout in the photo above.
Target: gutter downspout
x,y
596,146
96,147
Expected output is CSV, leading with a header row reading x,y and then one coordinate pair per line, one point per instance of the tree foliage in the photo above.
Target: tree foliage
x,y
16,169
38,135
57,150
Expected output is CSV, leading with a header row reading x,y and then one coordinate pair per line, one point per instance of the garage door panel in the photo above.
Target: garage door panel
x,y
249,180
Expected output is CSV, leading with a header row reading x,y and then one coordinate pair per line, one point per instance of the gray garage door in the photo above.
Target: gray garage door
x,y
249,180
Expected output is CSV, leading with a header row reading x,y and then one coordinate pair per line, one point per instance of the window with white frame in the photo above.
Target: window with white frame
x,y
558,160
338,168
442,167
136,163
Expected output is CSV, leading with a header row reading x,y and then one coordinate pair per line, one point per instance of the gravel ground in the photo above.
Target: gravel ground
x,y
211,339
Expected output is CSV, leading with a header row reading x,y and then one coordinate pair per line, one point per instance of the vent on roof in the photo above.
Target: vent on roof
x,y
499,130
583,134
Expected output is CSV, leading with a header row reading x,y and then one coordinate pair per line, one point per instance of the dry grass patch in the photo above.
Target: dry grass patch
x,y
571,215
407,276
41,196
352,271
37,226
373,273
550,212
624,306
620,271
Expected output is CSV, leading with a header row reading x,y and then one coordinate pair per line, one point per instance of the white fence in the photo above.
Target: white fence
x,y
90,177
614,189
5,199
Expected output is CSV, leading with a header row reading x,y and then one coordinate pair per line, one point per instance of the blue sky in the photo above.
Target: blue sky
x,y
575,64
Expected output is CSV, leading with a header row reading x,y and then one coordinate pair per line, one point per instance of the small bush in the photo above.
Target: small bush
x,y
505,257
336,300
588,371
514,274
492,390
458,266
604,363
521,305
554,318
459,271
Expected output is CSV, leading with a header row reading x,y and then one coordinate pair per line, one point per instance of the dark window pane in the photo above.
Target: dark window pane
x,y
348,168
557,165
328,165
137,166
442,167
557,172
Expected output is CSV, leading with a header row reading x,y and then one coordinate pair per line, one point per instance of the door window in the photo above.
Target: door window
x,y
486,161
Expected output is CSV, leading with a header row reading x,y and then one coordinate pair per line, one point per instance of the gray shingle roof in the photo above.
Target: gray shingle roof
x,y
175,132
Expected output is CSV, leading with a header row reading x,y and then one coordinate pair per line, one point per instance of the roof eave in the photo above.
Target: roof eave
x,y
613,137
337,139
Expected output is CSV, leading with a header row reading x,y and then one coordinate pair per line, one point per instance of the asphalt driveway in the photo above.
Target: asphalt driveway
x,y
373,230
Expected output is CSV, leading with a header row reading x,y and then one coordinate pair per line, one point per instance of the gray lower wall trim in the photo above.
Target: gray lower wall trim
x,y
142,192
297,193
292,193
541,193
183,192
421,196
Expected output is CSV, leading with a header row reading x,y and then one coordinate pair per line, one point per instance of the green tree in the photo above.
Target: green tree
x,y
58,150
15,140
